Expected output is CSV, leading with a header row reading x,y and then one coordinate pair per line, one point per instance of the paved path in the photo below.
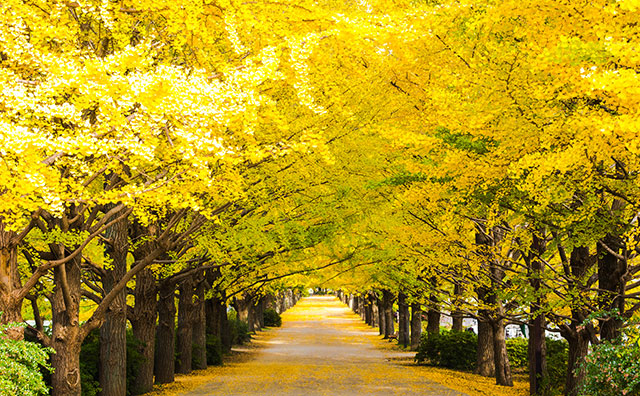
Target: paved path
x,y
321,349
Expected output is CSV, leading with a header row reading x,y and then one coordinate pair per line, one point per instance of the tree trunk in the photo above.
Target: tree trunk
x,y
578,349
500,357
10,307
576,335
537,345
433,320
404,332
416,325
374,309
243,307
143,322
184,342
457,316
387,301
368,311
382,323
611,278
165,334
113,333
199,328
259,309
485,364
537,356
66,337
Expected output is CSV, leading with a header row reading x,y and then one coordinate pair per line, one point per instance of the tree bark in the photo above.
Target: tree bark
x,y
113,333
165,333
576,334
485,364
66,337
457,316
10,307
578,349
382,323
199,328
537,345
387,301
404,330
143,322
433,319
611,278
184,342
501,359
416,325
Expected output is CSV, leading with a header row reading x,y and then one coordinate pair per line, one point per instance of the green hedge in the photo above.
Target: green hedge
x,y
239,329
272,318
450,349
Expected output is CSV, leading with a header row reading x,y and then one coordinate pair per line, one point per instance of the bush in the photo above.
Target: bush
x,y
20,366
90,360
272,318
239,329
214,350
612,369
557,356
450,349
518,351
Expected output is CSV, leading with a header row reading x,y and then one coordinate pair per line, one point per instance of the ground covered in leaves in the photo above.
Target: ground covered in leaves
x,y
324,349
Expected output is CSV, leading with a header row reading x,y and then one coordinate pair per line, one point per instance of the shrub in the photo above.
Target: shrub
x,y
450,349
557,358
272,318
20,366
518,351
214,350
239,329
612,369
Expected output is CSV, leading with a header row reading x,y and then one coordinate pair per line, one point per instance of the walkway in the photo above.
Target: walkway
x,y
321,349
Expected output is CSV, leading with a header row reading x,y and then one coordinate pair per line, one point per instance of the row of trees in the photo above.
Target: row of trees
x,y
479,156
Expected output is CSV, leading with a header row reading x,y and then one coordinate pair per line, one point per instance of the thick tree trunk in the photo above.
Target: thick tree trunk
x,y
243,308
457,316
404,329
576,335
199,328
143,322
374,309
260,313
368,310
387,301
537,345
184,341
416,325
165,334
10,307
433,320
611,278
212,314
485,364
66,337
537,356
500,357
578,349
382,323
113,333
